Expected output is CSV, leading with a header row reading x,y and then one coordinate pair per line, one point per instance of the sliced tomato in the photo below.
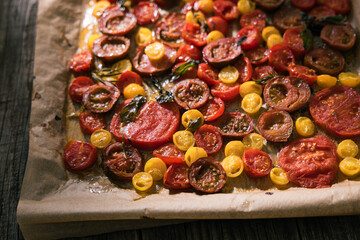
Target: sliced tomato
x,y
321,12
294,41
245,69
288,17
226,91
258,55
269,5
212,109
190,73
253,37
339,6
256,163
116,21
300,71
169,29
90,122
304,5
235,124
169,153
79,156
176,177
126,78
111,48
78,87
187,52
209,138
217,23
256,18
191,93
193,34
262,72
275,125
146,12
226,10
81,63
281,57
340,37
222,52
208,74
325,61
101,98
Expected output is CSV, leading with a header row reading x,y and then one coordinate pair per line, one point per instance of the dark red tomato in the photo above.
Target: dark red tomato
x,y
217,23
235,124
122,164
127,78
325,61
190,73
262,72
188,7
293,40
212,109
78,87
256,18
300,71
256,163
208,74
153,125
304,5
337,110
253,37
286,93
187,52
288,17
339,6
321,12
79,156
90,122
81,63
169,29
101,98
281,57
193,34
191,93
245,69
226,92
176,177
111,48
269,5
341,37
209,138
258,55
116,21
321,165
226,10
166,3
169,153
222,52
207,175
275,125
146,13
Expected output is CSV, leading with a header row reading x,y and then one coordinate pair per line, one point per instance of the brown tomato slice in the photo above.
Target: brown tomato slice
x,y
340,37
176,177
325,61
275,126
191,93
269,5
116,21
209,138
111,48
288,17
169,29
235,124
101,98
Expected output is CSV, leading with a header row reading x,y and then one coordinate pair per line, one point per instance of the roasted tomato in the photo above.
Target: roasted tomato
x,y
176,177
169,29
122,161
190,73
207,175
146,12
193,34
166,3
275,125
339,6
217,23
115,21
187,52
222,52
208,74
294,41
111,48
226,91
258,55
304,5
337,110
235,124
191,93
245,69
281,57
321,165
226,10
262,72
288,17
101,98
300,71
126,78
286,93
256,163
81,63
169,153
209,138
90,122
256,18
153,125
325,61
341,37
269,5
321,12
253,37
78,87
212,109
79,156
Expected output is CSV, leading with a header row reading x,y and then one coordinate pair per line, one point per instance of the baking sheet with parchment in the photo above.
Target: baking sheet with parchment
x,y
55,204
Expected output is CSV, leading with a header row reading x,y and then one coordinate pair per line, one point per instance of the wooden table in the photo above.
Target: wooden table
x,y
17,40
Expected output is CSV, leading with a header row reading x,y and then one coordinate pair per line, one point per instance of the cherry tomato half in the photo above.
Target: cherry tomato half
x,y
288,17
304,5
208,74
244,67
293,40
126,78
79,156
226,92
321,12
187,52
78,87
235,124
212,109
256,18
81,63
217,23
209,138
300,71
176,177
101,98
269,5
90,122
275,126
226,9
256,163
339,6
191,93
169,153
281,57
258,55
253,37
111,48
146,12
116,21
193,34
340,37
325,61
222,52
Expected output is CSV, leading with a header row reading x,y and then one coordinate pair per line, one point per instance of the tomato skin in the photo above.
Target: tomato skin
x,y
111,48
169,28
263,71
275,125
191,93
235,124
226,10
217,23
245,69
193,34
79,156
258,55
300,71
212,109
187,52
269,5
101,98
169,153
304,5
294,41
190,73
78,87
256,18
81,63
90,122
340,37
325,61
253,39
281,57
227,92
115,21
126,78
209,138
208,74
166,3
288,17
339,6
176,177
256,163
146,12
321,12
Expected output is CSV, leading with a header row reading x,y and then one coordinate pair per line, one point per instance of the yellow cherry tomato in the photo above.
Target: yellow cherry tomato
x,y
347,148
155,51
122,66
250,87
326,81
251,103
229,74
233,166
92,39
267,31
193,154
191,115
213,36
183,140
206,6
245,6
234,148
143,36
278,176
350,166
305,127
99,8
132,90
156,167
349,79
100,138
274,39
253,140
194,17
142,181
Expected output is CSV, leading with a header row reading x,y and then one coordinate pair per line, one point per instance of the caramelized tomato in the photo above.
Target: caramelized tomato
x,y
115,21
127,78
81,63
193,34
78,87
256,18
208,74
293,40
101,98
146,12
169,153
111,48
176,177
212,109
169,29
281,57
187,52
226,91
256,163
209,138
235,124
90,122
191,93
217,23
300,71
226,10
269,5
341,37
253,37
288,17
79,156
275,125
258,55
244,68
325,61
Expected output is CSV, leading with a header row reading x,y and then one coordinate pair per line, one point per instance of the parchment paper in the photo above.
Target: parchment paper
x,y
54,204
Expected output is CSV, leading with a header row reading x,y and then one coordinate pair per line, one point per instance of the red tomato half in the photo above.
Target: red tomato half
x,y
146,12
293,40
217,23
193,34
79,156
341,37
169,29
208,74
191,93
263,71
303,4
81,63
226,92
101,98
322,12
190,73
253,37
127,78
256,18
275,126
339,6
226,9
269,5
235,124
288,17
256,163
116,21
176,177
281,57
212,109
78,87
325,61
187,52
111,48
258,55
245,69
169,153
90,122
209,138
300,71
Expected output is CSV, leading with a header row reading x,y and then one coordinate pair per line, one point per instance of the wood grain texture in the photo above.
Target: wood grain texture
x,y
17,40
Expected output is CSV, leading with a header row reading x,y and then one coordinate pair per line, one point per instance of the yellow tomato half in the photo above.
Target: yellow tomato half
x,y
156,167
268,31
245,6
142,181
250,87
234,148
349,79
326,81
233,166
251,103
193,154
213,36
350,166
347,148
155,51
253,140
305,127
278,176
143,36
132,90
191,115
229,74
100,138
183,140
99,8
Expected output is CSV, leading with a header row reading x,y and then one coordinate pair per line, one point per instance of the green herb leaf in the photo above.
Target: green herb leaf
x,y
205,27
241,40
156,83
165,97
264,80
307,38
307,19
128,113
121,3
180,70
338,19
194,125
